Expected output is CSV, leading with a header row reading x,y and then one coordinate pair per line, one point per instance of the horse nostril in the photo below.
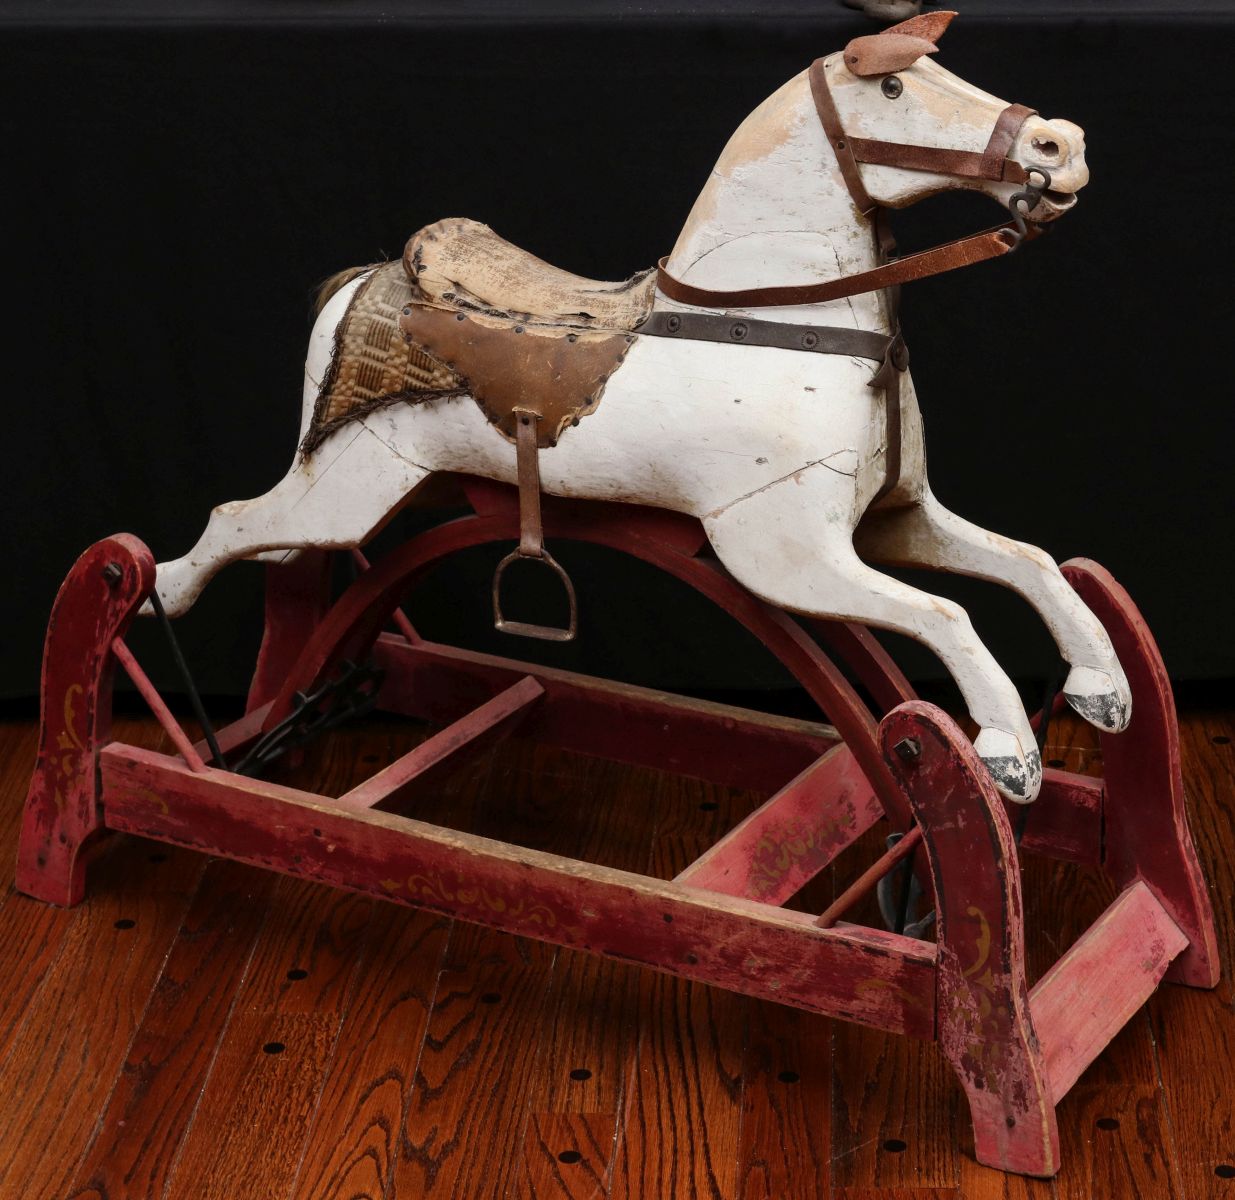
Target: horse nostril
x,y
1045,148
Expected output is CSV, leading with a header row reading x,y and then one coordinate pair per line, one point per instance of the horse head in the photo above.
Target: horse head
x,y
890,95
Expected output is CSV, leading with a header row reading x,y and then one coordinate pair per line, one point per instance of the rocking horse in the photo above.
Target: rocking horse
x,y
751,394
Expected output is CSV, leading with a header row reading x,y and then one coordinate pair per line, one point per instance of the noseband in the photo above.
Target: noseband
x,y
995,163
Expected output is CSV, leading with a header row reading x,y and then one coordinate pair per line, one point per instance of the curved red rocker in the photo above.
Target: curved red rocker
x,y
1017,1052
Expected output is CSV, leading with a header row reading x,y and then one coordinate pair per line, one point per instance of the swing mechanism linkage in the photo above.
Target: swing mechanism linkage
x,y
352,693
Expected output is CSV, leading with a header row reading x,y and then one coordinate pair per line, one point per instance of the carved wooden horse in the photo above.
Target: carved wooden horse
x,y
756,382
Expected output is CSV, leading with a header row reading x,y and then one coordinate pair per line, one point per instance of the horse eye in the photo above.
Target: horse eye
x,y
892,86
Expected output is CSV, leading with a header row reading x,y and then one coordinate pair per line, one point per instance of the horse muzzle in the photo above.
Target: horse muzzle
x,y
1055,150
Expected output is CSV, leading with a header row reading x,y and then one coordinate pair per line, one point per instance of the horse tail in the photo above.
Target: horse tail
x,y
336,281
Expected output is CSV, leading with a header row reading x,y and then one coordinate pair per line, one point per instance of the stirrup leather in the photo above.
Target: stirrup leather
x,y
531,538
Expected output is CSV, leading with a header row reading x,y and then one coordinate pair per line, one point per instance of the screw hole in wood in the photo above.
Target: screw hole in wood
x,y
1057,763
708,806
125,923
570,1156
1225,1171
490,997
273,1048
298,973
789,1077
895,1146
157,858
1107,1123
581,1073
1221,740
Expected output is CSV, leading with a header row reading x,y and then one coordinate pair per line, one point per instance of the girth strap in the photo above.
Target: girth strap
x,y
780,335
889,351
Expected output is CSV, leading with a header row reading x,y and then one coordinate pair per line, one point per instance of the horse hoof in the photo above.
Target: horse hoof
x,y
1103,698
1017,775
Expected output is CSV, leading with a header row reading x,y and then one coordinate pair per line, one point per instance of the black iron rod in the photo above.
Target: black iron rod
x,y
189,686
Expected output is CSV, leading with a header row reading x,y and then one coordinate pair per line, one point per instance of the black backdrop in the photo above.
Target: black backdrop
x,y
180,178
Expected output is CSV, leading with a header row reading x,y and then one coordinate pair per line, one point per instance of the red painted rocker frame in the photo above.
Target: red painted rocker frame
x,y
1017,1052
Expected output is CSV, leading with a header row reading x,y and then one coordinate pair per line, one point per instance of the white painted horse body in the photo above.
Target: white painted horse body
x,y
779,453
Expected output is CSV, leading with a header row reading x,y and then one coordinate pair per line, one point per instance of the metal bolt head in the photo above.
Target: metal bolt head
x,y
907,749
113,574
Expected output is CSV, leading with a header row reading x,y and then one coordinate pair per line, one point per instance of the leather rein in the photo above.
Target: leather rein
x,y
992,163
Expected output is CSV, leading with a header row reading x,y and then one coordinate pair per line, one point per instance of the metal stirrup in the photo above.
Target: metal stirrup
x,y
531,538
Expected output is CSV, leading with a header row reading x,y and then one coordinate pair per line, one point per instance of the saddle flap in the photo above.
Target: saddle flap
x,y
505,364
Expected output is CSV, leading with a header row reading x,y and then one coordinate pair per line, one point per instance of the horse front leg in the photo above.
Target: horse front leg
x,y
792,544
926,534
337,497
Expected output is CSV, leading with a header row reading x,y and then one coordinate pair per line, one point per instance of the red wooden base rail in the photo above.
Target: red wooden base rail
x,y
721,920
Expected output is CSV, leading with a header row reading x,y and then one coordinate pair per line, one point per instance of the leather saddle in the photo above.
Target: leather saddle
x,y
520,335
464,264
532,344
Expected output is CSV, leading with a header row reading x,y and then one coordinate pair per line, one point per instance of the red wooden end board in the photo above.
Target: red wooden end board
x,y
95,604
1146,816
985,1029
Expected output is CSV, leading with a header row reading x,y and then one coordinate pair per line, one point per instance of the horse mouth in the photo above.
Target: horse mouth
x,y
1051,204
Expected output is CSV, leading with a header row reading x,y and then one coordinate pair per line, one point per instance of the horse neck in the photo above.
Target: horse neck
x,y
776,211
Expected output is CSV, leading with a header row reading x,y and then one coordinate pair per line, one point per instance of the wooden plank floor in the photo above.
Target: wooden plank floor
x,y
202,1030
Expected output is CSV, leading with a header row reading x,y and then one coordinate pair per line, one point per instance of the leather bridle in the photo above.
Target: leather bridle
x,y
994,163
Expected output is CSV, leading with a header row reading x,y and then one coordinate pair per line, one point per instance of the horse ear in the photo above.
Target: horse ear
x,y
884,53
930,26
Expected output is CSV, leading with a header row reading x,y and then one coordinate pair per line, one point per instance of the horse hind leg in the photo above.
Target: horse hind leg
x,y
928,535
792,544
335,498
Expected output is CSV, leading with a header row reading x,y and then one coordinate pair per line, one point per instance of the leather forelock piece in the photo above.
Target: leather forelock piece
x,y
834,131
884,53
930,26
555,371
373,365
